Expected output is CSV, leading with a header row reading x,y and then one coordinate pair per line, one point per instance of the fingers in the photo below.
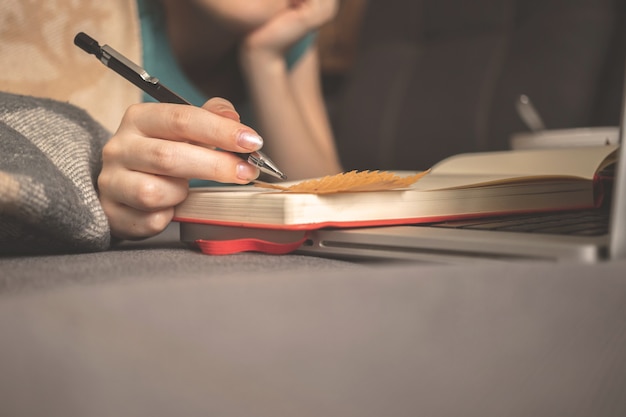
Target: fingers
x,y
288,26
182,123
142,191
146,165
132,224
176,159
314,13
139,205
222,107
179,141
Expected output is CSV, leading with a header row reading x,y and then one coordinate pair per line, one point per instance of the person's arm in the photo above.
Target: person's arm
x,y
288,104
158,147
306,86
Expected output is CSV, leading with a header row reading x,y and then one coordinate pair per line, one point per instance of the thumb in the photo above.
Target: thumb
x,y
222,107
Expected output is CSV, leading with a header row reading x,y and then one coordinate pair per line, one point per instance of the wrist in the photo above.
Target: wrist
x,y
260,60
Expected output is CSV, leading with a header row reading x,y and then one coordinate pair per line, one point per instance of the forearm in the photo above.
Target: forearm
x,y
291,117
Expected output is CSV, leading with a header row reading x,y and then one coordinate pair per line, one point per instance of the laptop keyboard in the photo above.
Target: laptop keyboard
x,y
579,223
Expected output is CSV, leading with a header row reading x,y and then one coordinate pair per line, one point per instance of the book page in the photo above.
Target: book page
x,y
455,181
475,169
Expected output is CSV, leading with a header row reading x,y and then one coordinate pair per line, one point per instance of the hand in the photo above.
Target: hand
x,y
281,32
157,149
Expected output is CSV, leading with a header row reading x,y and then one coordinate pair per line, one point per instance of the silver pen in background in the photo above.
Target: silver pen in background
x,y
529,114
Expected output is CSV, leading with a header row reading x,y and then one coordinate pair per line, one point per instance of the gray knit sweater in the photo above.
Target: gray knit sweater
x,y
50,157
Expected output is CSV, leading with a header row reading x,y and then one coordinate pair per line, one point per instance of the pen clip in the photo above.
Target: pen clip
x,y
108,53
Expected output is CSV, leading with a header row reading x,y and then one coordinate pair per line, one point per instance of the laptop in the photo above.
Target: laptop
x,y
584,236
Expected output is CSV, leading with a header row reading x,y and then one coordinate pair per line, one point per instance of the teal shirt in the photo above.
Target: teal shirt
x,y
159,61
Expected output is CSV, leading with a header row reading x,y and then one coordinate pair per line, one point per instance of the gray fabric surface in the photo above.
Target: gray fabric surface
x,y
32,274
163,257
517,340
49,161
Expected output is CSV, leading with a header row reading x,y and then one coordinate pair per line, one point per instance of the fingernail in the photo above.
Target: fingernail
x,y
247,172
250,141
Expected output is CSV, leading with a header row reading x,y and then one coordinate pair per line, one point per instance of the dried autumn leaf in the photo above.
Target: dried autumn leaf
x,y
348,182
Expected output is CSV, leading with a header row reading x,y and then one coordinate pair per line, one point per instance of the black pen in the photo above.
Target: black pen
x,y
151,85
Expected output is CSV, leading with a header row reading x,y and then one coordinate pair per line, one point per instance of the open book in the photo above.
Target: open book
x,y
466,185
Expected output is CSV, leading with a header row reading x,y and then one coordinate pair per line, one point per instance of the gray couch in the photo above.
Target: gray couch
x,y
159,330
155,328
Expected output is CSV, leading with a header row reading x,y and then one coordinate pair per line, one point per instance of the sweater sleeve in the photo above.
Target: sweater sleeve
x,y
50,158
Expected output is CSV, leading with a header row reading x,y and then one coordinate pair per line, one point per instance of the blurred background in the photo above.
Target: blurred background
x,y
410,82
